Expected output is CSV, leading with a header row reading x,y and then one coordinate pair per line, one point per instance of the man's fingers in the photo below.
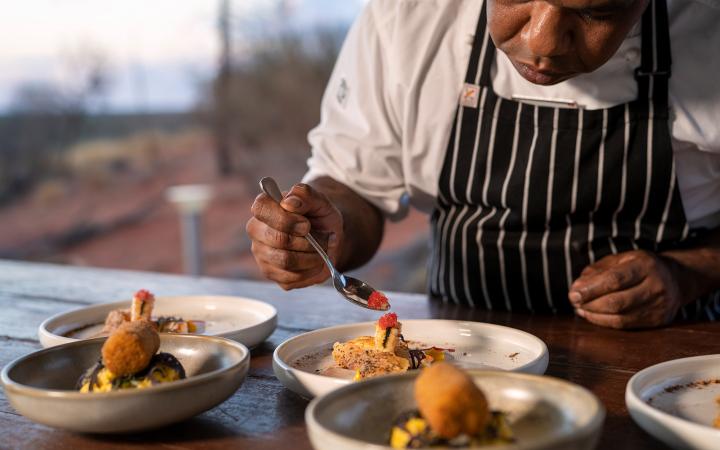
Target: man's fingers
x,y
318,278
266,210
304,200
294,280
619,302
606,320
646,316
286,259
258,231
589,270
605,263
617,278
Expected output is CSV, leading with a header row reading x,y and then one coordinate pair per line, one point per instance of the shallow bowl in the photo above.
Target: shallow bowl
x,y
677,401
543,412
299,361
41,386
241,319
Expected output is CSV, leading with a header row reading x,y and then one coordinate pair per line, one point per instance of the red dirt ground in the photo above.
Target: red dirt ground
x,y
136,228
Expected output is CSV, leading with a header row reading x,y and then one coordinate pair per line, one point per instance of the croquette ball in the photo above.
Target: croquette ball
x,y
129,349
450,401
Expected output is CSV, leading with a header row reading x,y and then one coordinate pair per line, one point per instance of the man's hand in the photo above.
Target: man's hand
x,y
635,289
277,233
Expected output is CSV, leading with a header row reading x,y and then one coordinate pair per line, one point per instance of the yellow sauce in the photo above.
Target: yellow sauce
x,y
105,380
497,432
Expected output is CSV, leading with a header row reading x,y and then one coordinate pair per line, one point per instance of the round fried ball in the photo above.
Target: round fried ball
x,y
129,349
450,402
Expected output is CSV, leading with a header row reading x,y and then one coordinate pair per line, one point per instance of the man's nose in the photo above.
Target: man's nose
x,y
546,34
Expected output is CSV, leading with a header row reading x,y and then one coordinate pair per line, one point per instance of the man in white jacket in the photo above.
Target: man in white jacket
x,y
575,170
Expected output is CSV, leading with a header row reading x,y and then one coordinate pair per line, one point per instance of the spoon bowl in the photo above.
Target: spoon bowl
x,y
353,290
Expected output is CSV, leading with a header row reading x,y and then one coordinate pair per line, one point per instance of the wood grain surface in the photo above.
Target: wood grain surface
x,y
263,414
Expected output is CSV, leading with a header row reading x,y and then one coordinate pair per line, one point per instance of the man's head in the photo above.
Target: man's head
x,y
549,41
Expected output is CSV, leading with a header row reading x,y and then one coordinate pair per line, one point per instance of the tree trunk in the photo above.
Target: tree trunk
x,y
222,94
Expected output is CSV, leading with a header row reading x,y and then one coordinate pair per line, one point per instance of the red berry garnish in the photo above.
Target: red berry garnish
x,y
389,320
143,295
377,300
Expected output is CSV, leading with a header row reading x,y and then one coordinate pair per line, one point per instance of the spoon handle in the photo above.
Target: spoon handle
x,y
271,188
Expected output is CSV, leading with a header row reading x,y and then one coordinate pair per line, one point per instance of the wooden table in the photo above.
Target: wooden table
x,y
265,415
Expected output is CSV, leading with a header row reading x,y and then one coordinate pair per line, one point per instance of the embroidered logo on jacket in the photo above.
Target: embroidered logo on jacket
x,y
342,92
469,95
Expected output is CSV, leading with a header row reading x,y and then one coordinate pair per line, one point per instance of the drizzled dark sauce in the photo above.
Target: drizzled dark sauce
x,y
387,336
92,374
170,361
416,357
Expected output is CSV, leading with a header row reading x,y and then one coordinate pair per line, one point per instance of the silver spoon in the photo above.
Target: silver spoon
x,y
355,291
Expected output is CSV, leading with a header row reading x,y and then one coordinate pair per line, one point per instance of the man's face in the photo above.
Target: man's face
x,y
549,41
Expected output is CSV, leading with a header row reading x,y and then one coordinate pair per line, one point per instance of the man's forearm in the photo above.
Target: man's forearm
x,y
697,268
363,223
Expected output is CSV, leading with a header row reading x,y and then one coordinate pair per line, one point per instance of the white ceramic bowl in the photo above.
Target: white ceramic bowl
x,y
241,319
676,401
543,412
476,345
40,386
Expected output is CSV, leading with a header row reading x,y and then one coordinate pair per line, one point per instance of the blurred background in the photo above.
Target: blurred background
x,y
104,106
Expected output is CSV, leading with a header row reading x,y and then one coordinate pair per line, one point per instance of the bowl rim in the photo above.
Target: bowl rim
x,y
286,366
45,332
15,387
658,416
596,421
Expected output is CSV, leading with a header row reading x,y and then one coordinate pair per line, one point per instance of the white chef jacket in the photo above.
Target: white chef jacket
x,y
389,105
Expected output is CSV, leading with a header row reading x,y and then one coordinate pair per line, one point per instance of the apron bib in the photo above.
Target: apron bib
x,y
530,195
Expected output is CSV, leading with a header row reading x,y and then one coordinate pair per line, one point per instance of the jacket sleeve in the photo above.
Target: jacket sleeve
x,y
357,141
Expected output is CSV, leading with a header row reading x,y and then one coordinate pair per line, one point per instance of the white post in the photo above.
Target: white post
x,y
191,200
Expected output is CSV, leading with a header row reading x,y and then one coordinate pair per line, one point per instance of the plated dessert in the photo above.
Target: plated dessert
x,y
319,361
142,307
130,359
443,406
451,412
241,319
384,353
43,385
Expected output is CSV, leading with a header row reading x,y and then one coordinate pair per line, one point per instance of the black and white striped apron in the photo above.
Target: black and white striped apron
x,y
530,195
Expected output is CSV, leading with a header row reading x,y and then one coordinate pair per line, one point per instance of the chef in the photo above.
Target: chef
x,y
567,152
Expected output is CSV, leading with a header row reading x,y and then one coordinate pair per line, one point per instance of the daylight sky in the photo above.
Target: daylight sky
x,y
159,50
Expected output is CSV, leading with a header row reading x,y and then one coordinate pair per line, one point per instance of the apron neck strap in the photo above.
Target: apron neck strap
x,y
482,54
655,65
